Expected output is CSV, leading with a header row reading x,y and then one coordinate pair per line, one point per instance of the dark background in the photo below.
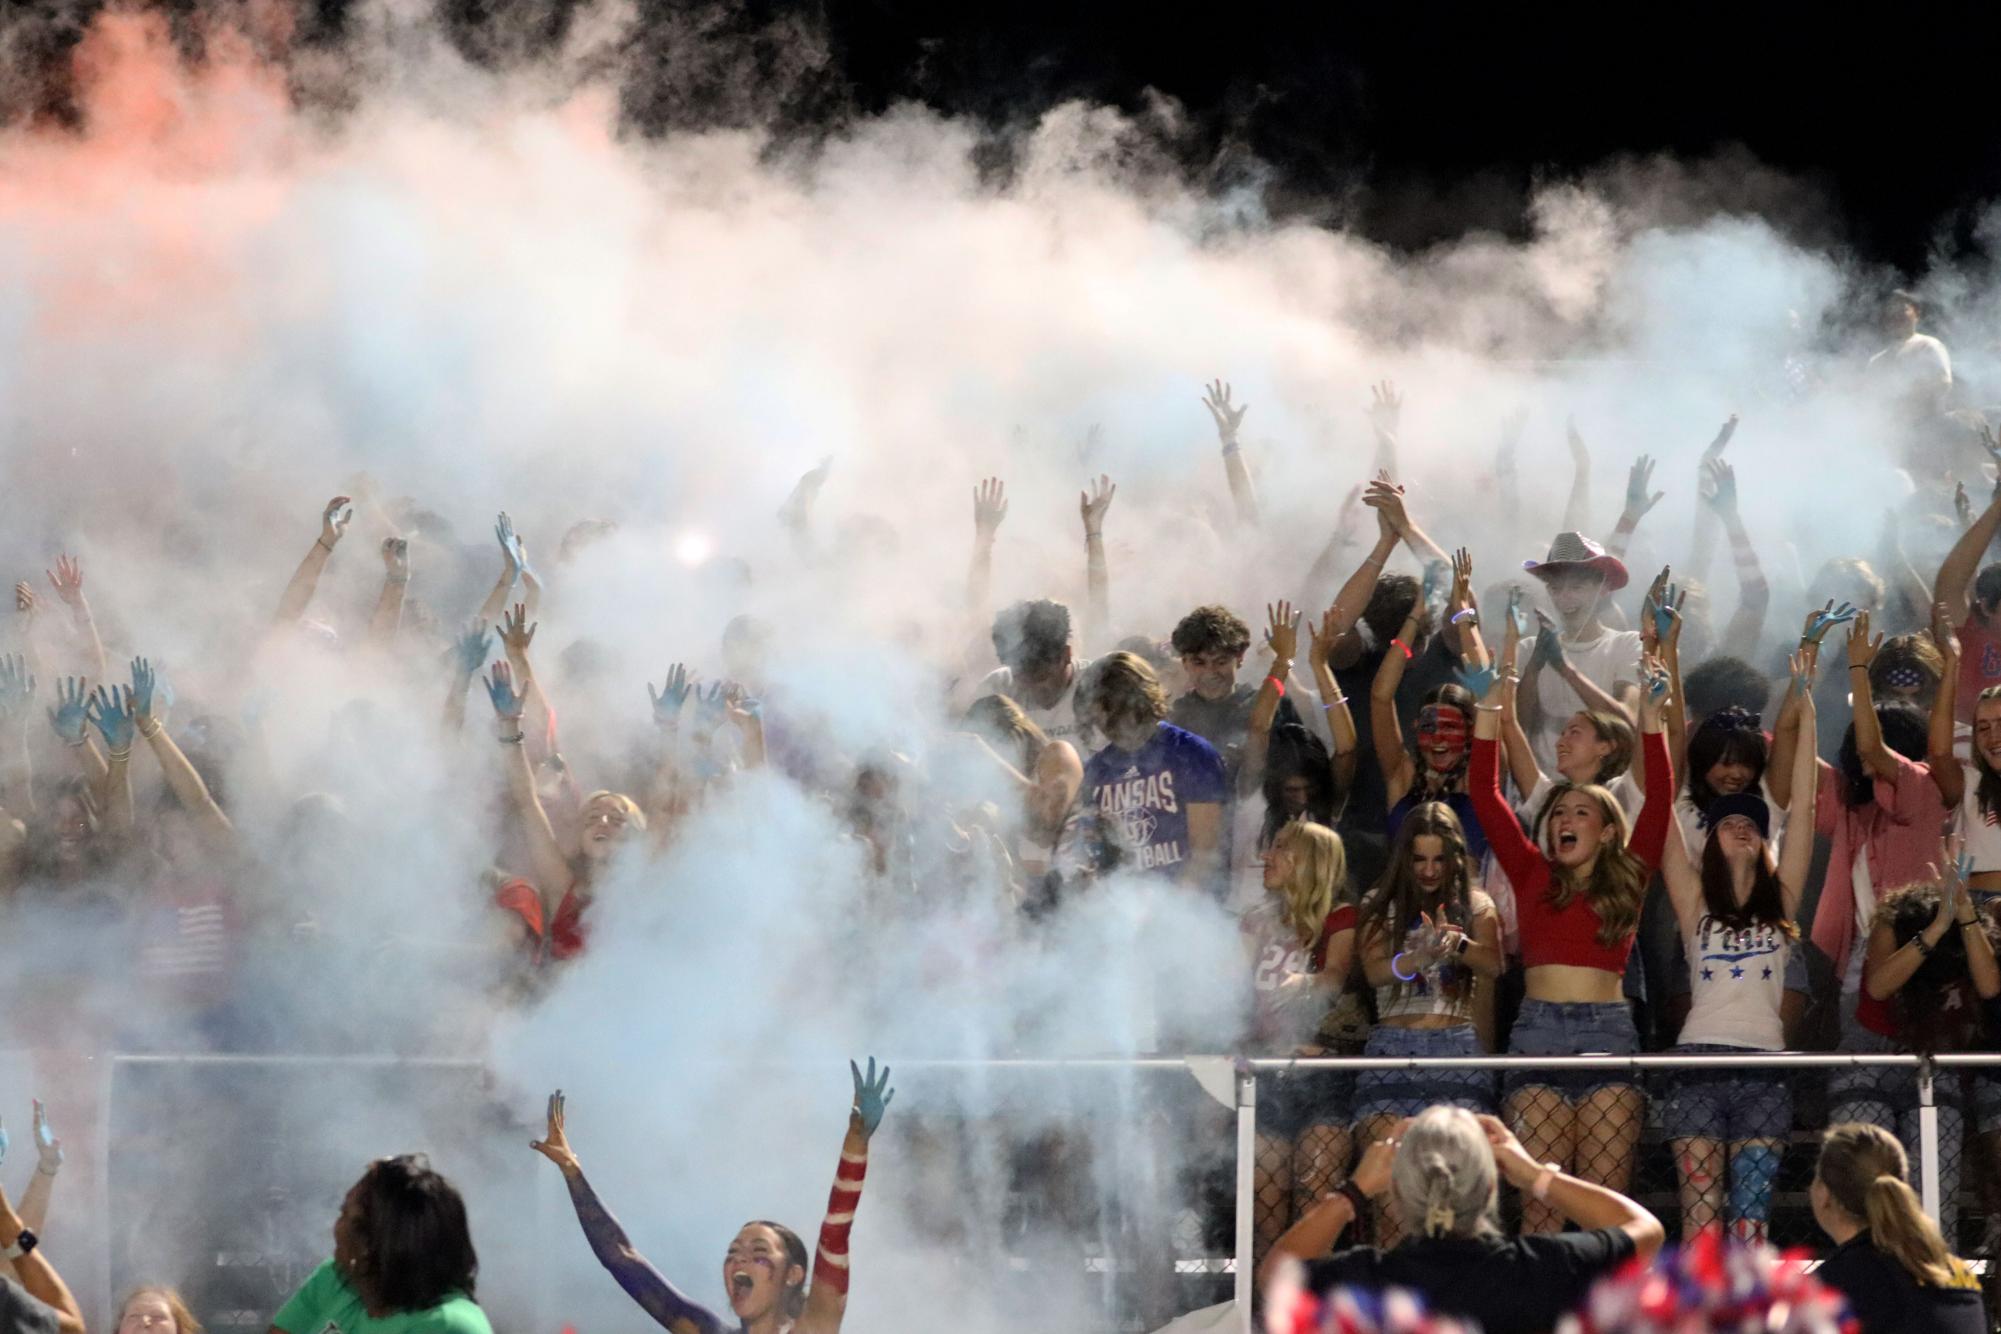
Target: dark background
x,y
1411,123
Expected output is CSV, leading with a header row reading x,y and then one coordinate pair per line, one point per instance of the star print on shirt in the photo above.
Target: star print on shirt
x,y
1737,970
1707,975
1768,973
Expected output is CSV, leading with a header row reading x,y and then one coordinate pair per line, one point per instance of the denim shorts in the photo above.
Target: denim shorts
x,y
1408,1092
1893,1087
1726,1105
1572,1028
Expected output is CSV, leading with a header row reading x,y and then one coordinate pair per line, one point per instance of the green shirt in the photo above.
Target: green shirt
x,y
327,1305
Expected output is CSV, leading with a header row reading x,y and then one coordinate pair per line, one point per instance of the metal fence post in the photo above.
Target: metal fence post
x,y
1247,1192
1928,1139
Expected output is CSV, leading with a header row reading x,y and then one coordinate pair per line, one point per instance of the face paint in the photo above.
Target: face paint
x,y
1441,735
1904,678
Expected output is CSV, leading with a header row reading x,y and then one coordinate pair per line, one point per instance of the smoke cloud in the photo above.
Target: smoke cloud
x,y
247,273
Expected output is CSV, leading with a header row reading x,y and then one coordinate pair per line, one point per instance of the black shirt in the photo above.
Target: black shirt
x,y
1510,1285
1226,723
1434,666
1887,1300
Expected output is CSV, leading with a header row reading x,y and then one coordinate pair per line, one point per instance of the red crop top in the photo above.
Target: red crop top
x,y
1567,935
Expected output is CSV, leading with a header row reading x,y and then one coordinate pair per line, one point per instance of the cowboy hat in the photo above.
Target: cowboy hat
x,y
1572,551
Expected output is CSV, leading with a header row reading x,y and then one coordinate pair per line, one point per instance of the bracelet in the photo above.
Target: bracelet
x,y
1232,448
1357,1201
1278,685
1489,708
116,755
514,740
322,543
1090,533
397,579
1924,946
1407,654
1377,562
1398,973
1465,943
1335,703
149,728
1858,666
47,1171
80,741
1470,615
1544,1180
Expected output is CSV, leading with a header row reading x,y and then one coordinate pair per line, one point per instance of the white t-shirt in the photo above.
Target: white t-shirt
x,y
1059,721
1981,830
1919,362
1612,657
1247,869
1865,920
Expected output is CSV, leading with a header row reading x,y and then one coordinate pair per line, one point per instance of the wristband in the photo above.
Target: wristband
x,y
1407,654
1277,685
1357,1201
1924,946
1543,1180
514,740
1398,973
1470,616
21,1245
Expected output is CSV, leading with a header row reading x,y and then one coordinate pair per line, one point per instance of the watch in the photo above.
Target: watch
x,y
1465,943
24,1243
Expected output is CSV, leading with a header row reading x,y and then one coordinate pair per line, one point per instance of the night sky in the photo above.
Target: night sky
x,y
1410,123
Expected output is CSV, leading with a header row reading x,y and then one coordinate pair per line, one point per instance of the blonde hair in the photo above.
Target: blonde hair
x,y
184,1319
627,807
1864,1169
1443,1175
1120,689
1618,882
1319,873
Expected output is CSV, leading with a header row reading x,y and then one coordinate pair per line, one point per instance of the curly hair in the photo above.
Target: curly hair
x,y
1211,629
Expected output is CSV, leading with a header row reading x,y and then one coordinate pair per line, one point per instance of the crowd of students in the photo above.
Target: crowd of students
x,y
1444,821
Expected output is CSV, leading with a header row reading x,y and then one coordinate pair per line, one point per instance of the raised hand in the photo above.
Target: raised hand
x,y
1719,487
1638,479
1654,681
554,1144
1385,407
1320,638
1462,579
507,703
48,1149
1800,664
512,549
334,520
1093,503
872,1095
515,632
989,507
1962,504
1480,682
24,600
805,491
145,683
470,649
1714,453
67,578
1548,645
1820,622
1943,633
396,558
1282,630
1580,454
711,706
71,715
17,687
1861,648
667,701
1228,418
110,711
1386,498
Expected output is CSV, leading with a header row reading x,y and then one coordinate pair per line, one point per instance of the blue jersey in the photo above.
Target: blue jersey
x,y
1142,797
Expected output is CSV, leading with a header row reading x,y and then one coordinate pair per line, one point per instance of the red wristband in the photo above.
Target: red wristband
x,y
1405,647
1278,684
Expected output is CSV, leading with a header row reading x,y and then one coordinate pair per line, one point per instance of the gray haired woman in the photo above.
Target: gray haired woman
x,y
1444,1167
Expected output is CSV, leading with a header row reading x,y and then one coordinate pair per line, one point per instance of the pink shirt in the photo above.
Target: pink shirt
x,y
1901,832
